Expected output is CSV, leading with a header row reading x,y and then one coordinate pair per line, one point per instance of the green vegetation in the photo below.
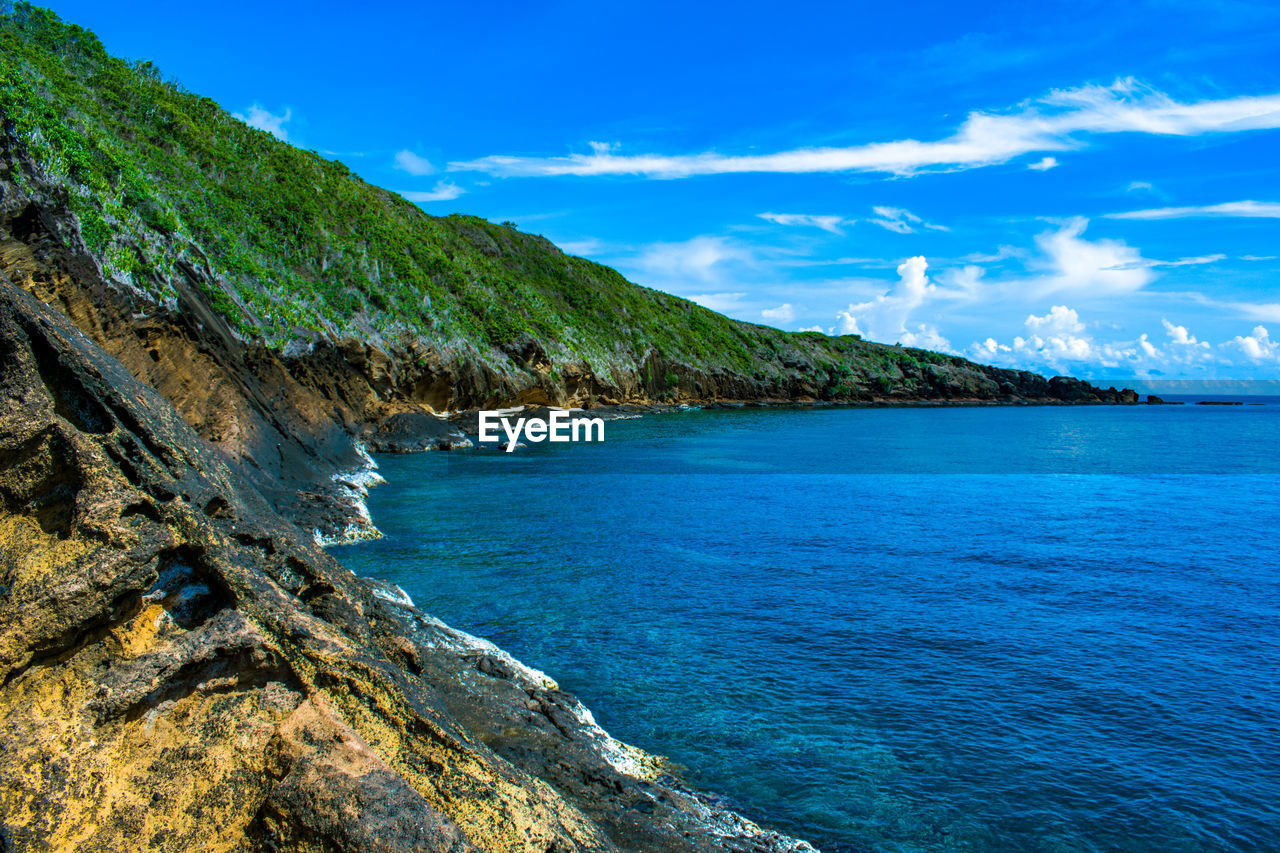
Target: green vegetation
x,y
161,180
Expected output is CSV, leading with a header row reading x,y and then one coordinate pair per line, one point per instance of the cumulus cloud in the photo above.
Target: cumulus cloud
x,y
1044,164
1072,264
263,119
925,336
902,221
1059,320
1230,209
1180,336
1056,338
444,191
826,223
407,161
781,315
1258,346
1061,341
885,317
1055,122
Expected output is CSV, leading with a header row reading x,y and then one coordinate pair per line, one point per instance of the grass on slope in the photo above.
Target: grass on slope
x,y
158,177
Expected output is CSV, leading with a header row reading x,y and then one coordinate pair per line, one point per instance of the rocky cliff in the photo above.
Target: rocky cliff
x,y
181,668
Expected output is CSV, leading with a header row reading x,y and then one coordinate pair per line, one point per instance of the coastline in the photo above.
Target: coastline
x,y
200,651
423,432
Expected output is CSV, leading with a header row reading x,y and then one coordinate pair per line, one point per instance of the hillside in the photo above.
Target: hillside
x,y
160,179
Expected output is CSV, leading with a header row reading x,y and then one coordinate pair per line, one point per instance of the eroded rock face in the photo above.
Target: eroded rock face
x,y
181,668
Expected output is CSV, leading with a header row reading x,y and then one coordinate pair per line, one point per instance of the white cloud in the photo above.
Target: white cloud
x,y
814,329
1193,261
702,260
1059,320
407,161
1001,253
1150,263
1059,340
582,248
1054,339
1072,264
902,221
885,317
1236,209
781,315
1179,335
1257,346
720,302
444,191
989,350
261,118
925,336
1051,123
826,223
1044,164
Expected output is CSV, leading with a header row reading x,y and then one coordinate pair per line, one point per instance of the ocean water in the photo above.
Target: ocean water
x,y
978,629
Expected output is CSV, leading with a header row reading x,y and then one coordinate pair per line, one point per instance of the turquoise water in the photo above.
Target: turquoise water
x,y
1033,629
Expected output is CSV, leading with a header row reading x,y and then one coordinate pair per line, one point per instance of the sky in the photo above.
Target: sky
x,y
1075,187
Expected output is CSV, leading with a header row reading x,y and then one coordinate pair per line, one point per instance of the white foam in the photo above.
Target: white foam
x,y
356,485
395,595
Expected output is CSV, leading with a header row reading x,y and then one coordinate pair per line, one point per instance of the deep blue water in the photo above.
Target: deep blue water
x,y
1012,629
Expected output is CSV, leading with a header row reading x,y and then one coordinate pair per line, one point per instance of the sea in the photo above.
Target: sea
x,y
894,629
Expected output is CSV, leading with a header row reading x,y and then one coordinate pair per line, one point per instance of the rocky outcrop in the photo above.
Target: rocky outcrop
x,y
181,668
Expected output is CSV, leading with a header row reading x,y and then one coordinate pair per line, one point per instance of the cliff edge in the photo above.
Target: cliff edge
x,y
181,668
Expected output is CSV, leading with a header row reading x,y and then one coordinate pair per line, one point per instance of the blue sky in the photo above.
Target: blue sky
x,y
1087,188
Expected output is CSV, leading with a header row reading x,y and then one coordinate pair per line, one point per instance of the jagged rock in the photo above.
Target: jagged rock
x,y
410,432
181,668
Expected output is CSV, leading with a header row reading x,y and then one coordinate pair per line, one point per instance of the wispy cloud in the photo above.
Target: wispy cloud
x,y
444,191
826,223
1237,209
263,119
1044,164
719,302
582,248
1054,122
1150,263
407,161
902,221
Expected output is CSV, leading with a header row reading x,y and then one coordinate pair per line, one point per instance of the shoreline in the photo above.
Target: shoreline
x,y
203,653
